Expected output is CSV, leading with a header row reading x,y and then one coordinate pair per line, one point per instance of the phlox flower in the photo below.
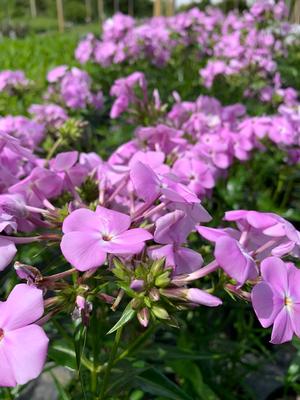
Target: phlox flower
x,y
89,236
23,344
276,300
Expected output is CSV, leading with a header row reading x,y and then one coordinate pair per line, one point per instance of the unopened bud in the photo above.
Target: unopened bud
x,y
193,295
157,267
160,312
154,294
143,317
28,272
163,280
137,285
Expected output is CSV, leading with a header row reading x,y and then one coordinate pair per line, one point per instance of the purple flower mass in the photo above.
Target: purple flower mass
x,y
149,213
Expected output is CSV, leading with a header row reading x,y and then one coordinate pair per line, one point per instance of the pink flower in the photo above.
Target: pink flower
x,y
23,344
276,300
89,236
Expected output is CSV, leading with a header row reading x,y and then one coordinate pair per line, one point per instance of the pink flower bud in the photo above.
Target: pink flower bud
x,y
143,317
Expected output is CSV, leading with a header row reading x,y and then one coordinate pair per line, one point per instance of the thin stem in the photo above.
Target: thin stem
x,y
54,148
119,188
21,240
60,275
136,344
110,363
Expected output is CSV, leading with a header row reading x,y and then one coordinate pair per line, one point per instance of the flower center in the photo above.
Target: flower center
x,y
106,237
288,302
1,334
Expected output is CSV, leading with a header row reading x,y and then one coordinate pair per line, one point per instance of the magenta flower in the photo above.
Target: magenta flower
x,y
276,300
23,344
89,236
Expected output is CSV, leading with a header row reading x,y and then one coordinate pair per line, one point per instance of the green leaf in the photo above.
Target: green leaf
x,y
127,315
61,391
62,355
154,382
190,372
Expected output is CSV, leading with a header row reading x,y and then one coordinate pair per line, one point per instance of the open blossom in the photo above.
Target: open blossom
x,y
73,86
89,236
258,236
276,300
23,344
172,230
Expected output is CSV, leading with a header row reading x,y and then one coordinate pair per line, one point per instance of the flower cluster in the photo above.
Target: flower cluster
x,y
30,133
230,44
50,115
72,87
11,81
200,140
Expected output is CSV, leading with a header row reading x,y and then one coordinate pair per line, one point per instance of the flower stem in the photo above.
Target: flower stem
x,y
136,344
110,363
54,148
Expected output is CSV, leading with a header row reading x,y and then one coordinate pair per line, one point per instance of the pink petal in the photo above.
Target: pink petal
x,y
201,297
167,252
295,318
23,306
26,351
235,262
132,236
235,215
171,228
213,234
260,220
277,230
282,328
7,252
274,272
81,220
262,302
83,250
112,222
282,249
6,374
64,161
145,182
186,260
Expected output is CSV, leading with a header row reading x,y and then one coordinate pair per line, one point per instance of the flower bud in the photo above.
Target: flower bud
x,y
193,295
143,317
163,279
137,285
157,266
154,294
31,274
160,312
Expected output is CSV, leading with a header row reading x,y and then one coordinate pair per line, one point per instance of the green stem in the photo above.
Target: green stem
x,y
110,363
54,148
136,344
